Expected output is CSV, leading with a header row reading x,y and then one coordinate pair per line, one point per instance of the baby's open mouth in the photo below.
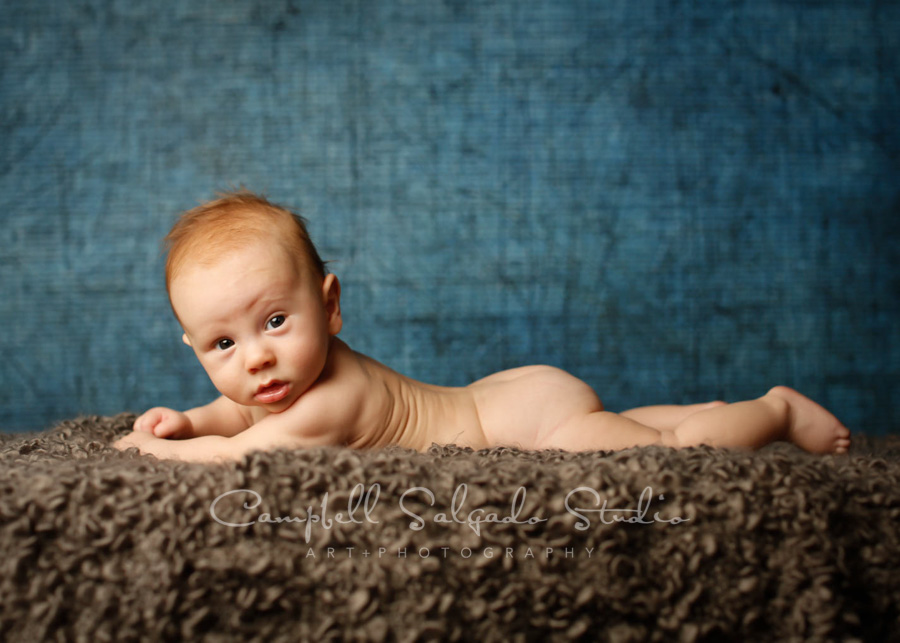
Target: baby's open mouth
x,y
272,392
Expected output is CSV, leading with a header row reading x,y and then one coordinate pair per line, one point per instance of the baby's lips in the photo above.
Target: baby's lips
x,y
272,392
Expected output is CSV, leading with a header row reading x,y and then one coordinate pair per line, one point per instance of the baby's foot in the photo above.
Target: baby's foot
x,y
812,427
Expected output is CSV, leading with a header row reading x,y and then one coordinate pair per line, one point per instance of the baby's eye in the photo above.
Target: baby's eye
x,y
224,344
275,322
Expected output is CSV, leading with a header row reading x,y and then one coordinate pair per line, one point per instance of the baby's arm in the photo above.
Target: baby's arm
x,y
220,417
314,420
262,436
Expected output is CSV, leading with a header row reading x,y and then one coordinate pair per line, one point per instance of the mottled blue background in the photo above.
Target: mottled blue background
x,y
676,201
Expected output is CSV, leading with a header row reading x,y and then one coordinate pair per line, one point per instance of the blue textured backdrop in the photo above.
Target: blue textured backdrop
x,y
676,201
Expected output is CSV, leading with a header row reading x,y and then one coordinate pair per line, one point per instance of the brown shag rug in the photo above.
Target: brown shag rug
x,y
779,544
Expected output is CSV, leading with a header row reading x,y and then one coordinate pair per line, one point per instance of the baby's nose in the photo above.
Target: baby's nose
x,y
259,357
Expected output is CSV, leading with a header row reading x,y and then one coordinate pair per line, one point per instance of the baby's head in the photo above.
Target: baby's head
x,y
233,221
253,298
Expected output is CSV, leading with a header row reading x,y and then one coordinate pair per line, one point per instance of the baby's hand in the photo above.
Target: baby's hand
x,y
164,423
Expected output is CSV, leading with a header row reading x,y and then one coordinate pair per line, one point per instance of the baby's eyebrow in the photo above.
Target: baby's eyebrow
x,y
221,320
275,304
211,329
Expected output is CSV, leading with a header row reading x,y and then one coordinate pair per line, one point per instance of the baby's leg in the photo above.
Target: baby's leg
x,y
604,431
781,414
667,417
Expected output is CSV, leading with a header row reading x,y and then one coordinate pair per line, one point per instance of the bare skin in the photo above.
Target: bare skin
x,y
569,416
264,328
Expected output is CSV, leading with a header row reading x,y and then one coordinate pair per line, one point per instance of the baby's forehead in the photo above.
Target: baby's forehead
x,y
232,284
267,254
254,247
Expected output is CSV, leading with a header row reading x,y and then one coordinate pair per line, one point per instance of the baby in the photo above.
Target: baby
x,y
262,315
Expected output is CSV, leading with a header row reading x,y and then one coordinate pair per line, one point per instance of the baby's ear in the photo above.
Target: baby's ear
x,y
185,339
331,295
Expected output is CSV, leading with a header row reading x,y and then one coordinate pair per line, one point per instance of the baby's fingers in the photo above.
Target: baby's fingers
x,y
166,427
143,423
149,420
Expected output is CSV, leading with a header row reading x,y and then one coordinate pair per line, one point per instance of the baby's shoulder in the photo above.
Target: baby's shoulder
x,y
341,393
337,392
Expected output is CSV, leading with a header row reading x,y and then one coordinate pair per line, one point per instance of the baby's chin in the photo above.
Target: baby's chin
x,y
275,409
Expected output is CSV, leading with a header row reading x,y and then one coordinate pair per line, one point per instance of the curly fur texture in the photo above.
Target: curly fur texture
x,y
101,545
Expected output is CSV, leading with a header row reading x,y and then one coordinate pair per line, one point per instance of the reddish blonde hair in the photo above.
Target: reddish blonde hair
x,y
230,222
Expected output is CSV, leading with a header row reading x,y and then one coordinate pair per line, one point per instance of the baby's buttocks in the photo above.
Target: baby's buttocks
x,y
520,406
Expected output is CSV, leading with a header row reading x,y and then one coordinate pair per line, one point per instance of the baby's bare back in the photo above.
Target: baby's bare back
x,y
517,408
395,409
